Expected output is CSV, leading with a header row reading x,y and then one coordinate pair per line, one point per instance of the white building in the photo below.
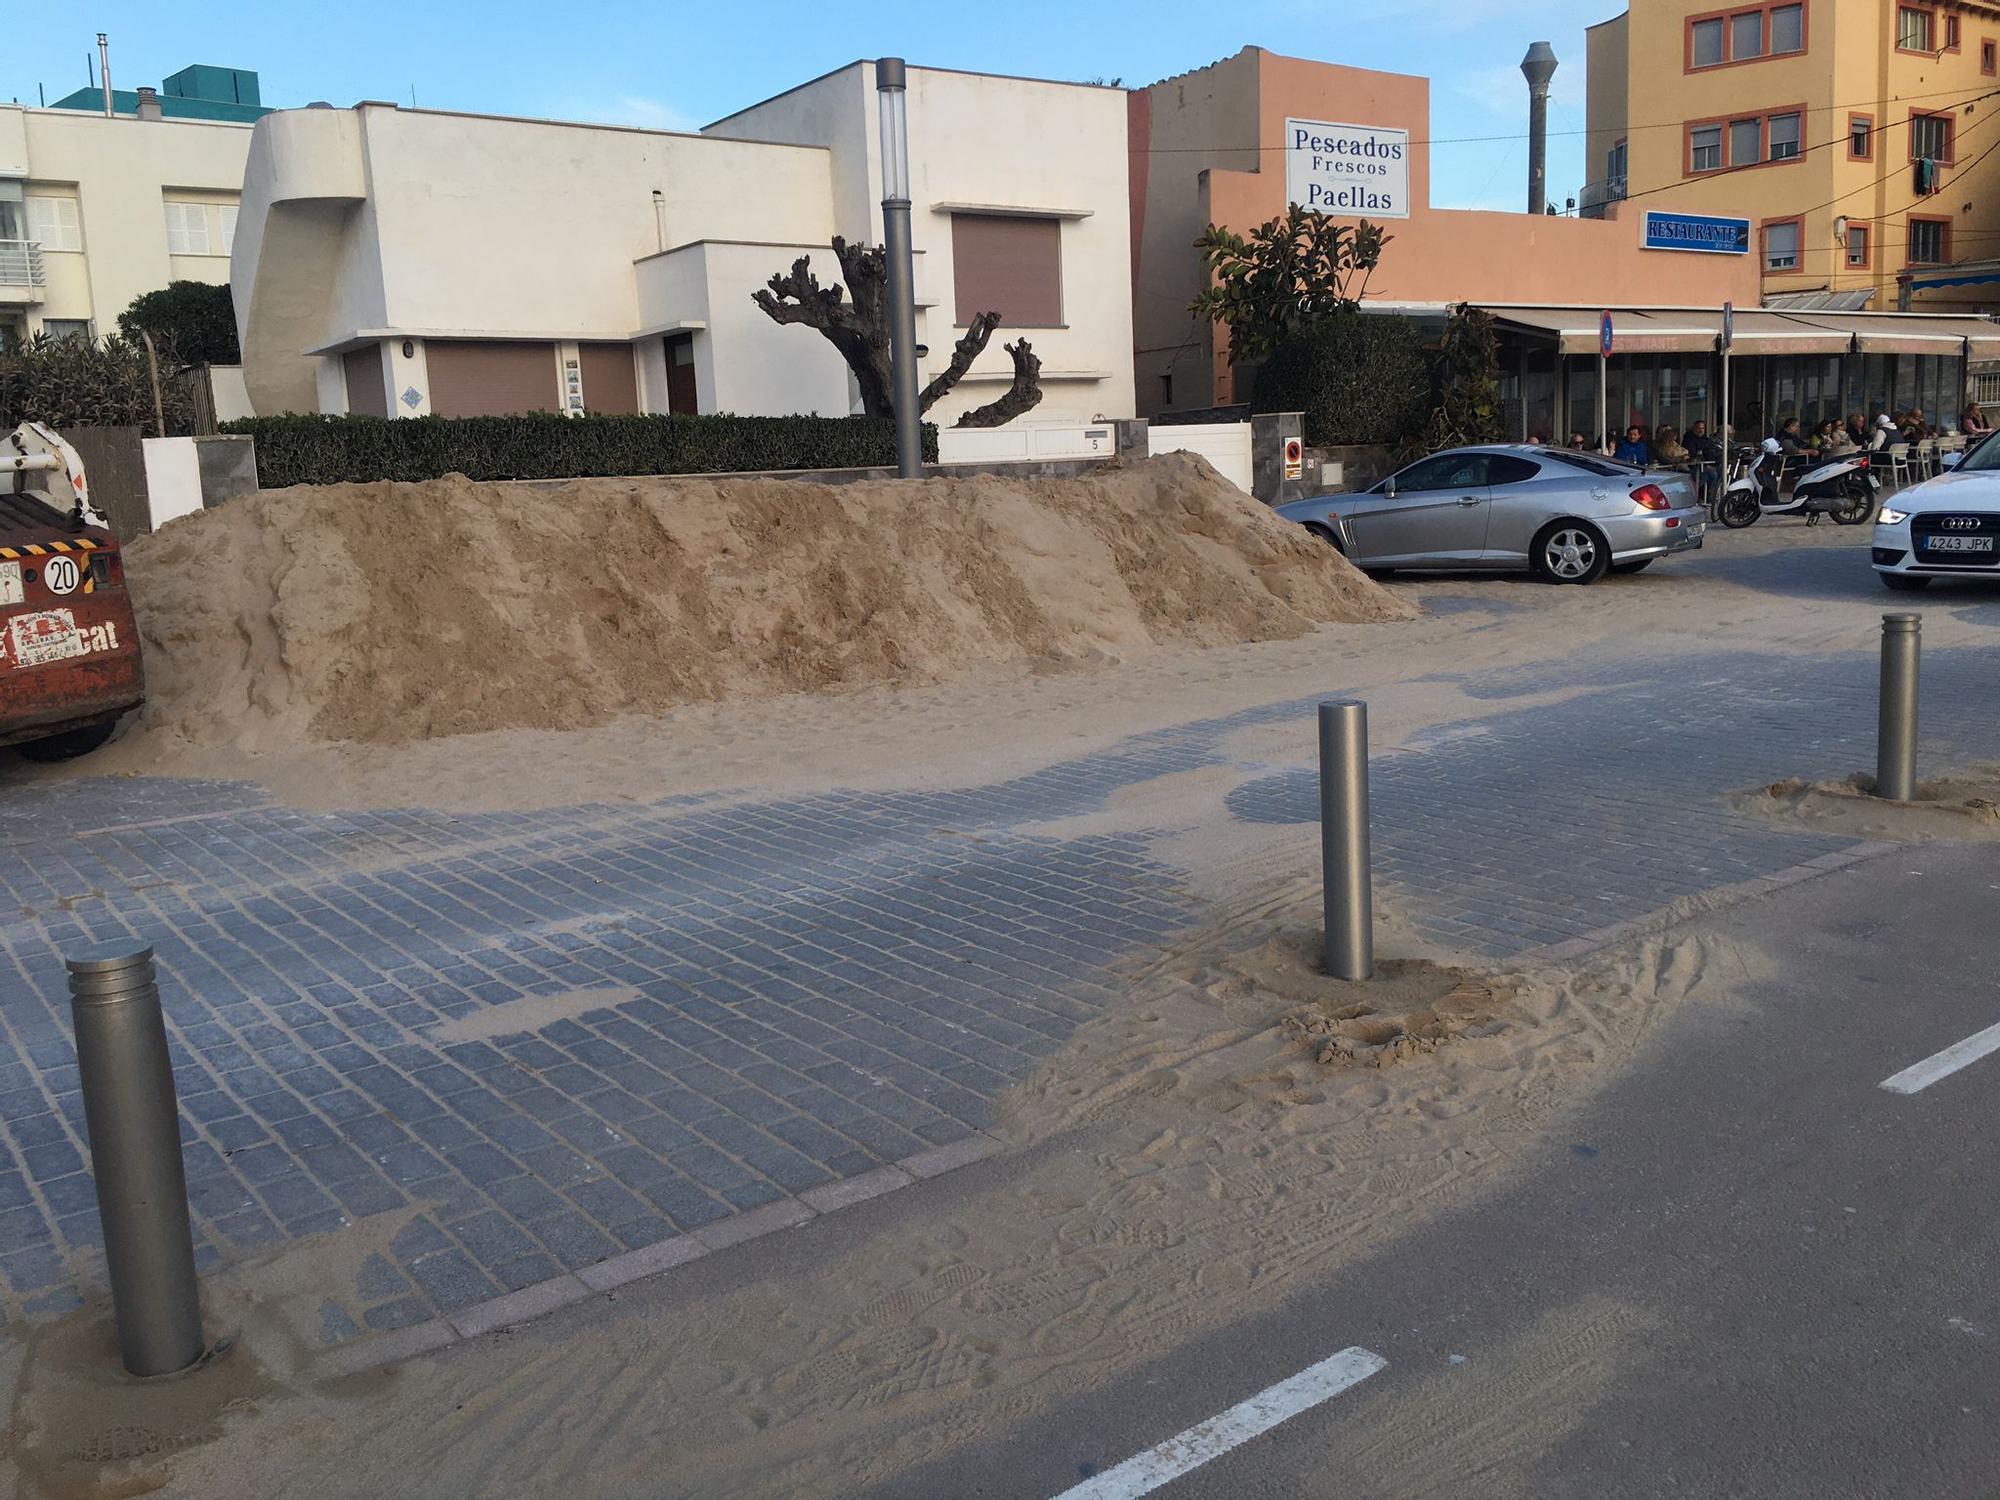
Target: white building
x,y
407,261
96,210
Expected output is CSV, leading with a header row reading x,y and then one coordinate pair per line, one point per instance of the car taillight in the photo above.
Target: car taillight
x,y
1862,462
1652,497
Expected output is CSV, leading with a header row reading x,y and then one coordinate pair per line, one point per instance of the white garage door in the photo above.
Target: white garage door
x,y
1224,444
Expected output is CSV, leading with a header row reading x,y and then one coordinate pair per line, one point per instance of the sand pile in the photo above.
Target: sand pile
x,y
395,612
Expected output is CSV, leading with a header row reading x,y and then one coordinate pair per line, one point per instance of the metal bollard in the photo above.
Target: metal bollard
x,y
1349,951
1896,730
135,1154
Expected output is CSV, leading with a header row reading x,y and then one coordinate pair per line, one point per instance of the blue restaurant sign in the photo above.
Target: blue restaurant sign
x,y
1702,232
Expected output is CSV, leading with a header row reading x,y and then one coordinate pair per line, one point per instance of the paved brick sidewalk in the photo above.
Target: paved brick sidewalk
x,y
717,1003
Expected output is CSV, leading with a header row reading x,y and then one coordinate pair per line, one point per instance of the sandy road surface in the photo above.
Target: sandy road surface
x,y
1186,1159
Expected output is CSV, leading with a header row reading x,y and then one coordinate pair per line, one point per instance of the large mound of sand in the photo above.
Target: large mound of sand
x,y
393,612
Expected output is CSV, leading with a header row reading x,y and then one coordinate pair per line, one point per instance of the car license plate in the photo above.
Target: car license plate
x,y
1697,529
46,635
1959,544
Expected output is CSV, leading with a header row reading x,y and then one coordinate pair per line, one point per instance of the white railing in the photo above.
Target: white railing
x,y
20,263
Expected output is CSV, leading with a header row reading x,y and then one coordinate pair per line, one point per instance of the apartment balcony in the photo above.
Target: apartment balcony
x,y
20,272
1595,195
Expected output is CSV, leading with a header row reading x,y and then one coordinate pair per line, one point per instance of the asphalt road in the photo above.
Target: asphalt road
x,y
1743,1269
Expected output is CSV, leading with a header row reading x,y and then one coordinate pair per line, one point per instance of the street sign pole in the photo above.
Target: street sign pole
x,y
1728,338
1605,337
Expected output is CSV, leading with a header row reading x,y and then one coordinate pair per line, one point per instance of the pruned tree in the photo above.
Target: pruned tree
x,y
856,322
1290,272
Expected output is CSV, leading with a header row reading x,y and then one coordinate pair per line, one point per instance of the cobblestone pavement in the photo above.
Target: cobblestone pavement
x,y
514,1044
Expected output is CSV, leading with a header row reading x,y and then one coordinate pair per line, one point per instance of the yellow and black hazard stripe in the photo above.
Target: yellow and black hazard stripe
x,y
38,549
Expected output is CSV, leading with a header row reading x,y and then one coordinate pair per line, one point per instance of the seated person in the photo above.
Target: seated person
x,y
1972,421
1706,453
1836,440
1857,429
1789,441
1632,449
1668,448
1578,442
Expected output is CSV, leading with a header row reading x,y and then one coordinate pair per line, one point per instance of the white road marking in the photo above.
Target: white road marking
x,y
1146,1472
1943,1064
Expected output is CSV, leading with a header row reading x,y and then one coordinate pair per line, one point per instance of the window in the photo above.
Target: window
x,y
1614,166
1705,154
1705,44
1788,29
53,223
1860,137
1008,265
1913,29
1930,135
1504,468
187,229
228,215
1781,245
1951,33
1599,466
1857,245
67,328
1783,132
1746,142
1445,471
1930,241
1746,36
1986,59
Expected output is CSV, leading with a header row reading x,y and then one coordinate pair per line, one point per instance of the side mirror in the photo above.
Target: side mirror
x,y
1388,487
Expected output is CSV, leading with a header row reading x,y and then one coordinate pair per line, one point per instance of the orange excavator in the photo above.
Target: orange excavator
x,y
69,647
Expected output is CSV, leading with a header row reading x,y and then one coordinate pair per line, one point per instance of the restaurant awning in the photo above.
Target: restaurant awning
x,y
1755,331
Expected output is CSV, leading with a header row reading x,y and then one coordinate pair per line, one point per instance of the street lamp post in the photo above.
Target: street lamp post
x,y
892,93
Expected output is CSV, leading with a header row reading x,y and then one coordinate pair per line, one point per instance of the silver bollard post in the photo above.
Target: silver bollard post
x,y
1896,730
135,1155
1343,840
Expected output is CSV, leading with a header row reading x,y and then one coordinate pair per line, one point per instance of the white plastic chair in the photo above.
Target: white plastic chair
x,y
1901,470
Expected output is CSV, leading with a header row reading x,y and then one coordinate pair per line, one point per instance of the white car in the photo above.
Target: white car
x,y
1947,527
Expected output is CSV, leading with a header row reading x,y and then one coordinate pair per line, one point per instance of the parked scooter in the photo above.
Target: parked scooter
x,y
1844,487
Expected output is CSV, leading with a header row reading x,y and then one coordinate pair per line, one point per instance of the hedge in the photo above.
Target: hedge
x,y
544,445
1358,377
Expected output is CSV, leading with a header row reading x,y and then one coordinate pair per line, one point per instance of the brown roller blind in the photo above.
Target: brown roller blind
x,y
367,396
491,378
610,384
1009,266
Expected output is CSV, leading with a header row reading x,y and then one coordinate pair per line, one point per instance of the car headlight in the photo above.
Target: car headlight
x,y
1888,515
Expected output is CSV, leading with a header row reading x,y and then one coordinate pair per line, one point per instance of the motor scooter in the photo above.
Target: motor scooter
x,y
1843,487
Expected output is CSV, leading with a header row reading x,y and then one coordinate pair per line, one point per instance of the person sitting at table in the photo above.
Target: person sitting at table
x,y
1972,421
1789,441
1579,442
1914,428
1633,450
1857,429
1885,432
1835,439
1706,453
1668,448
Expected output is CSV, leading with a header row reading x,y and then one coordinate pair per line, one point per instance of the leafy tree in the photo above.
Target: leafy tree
x,y
859,329
1358,378
1291,272
198,320
1468,380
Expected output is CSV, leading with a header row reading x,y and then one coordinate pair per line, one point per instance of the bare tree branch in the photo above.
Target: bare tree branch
x,y
1024,395
963,353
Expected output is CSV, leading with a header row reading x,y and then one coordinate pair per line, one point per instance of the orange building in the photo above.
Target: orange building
x,y
1234,142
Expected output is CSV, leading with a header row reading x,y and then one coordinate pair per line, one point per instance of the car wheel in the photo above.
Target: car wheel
x,y
1637,566
70,743
1904,583
1328,535
1570,552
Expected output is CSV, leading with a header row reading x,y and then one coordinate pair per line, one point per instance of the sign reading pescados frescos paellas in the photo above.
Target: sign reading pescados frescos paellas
x,y
1347,169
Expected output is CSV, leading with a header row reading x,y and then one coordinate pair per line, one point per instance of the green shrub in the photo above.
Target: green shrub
x,y
545,445
196,320
1358,377
79,382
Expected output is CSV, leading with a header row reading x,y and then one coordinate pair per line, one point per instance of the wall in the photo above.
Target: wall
x,y
1606,111
1850,65
1062,147
1436,256
118,169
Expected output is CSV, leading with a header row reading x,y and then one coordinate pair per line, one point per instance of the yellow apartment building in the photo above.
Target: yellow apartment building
x,y
1861,138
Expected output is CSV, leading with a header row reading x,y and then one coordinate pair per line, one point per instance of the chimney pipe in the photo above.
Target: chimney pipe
x,y
1538,67
149,104
104,70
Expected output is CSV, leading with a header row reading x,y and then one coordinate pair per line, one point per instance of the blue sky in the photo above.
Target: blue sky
x,y
676,66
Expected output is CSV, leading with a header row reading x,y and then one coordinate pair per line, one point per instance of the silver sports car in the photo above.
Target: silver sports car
x,y
1567,516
